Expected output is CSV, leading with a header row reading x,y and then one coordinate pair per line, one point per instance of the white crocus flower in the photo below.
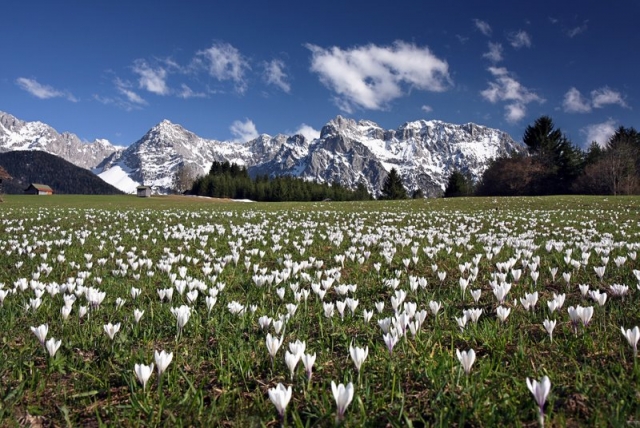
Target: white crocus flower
x,y
52,346
41,332
540,391
280,397
633,336
162,359
358,355
467,359
143,373
111,329
343,396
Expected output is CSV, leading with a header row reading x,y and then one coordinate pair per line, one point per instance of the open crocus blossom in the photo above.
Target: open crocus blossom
x,y
41,332
273,344
540,391
633,336
343,396
358,355
280,397
52,346
143,373
466,359
163,359
111,329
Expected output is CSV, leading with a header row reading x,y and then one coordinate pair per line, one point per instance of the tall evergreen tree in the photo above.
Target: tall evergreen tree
x,y
562,161
459,184
392,187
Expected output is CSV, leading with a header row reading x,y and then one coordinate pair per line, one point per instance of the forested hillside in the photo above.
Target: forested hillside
x,y
26,167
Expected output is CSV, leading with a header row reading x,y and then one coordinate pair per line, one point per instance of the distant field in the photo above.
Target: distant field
x,y
410,282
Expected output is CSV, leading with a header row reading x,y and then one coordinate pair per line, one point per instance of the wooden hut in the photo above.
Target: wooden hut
x,y
144,191
38,189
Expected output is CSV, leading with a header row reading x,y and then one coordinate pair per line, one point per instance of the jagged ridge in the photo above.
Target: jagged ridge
x,y
348,151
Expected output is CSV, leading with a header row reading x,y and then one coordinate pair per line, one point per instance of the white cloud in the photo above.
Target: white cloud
x,y
274,74
483,26
604,96
371,76
515,112
426,109
506,88
574,102
495,52
599,132
42,91
578,30
244,131
124,89
152,80
186,92
224,62
520,39
308,132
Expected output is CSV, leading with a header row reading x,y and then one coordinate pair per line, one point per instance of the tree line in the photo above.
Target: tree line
x,y
553,165
229,180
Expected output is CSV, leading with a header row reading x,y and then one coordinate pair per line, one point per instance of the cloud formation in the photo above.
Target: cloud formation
x,y
604,96
308,132
426,109
244,131
495,52
483,26
124,88
274,74
224,62
371,76
599,132
152,80
42,91
520,39
507,89
575,102
578,30
186,92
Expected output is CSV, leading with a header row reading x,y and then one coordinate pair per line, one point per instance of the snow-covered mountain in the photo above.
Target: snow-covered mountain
x,y
348,151
16,134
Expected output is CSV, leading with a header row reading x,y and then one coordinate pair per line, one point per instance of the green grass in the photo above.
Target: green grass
x,y
221,371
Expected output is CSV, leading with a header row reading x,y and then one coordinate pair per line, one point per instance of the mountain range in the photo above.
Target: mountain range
x,y
348,151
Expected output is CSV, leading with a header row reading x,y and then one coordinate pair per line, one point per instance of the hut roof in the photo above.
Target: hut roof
x,y
42,187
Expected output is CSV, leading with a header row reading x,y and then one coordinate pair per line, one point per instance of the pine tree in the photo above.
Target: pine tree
x,y
459,184
393,187
563,162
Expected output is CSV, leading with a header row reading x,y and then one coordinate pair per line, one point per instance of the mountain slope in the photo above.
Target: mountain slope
x,y
16,134
348,152
26,167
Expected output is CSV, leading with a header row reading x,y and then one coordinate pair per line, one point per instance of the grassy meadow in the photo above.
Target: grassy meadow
x,y
243,295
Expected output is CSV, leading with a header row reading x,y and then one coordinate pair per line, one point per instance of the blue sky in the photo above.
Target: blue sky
x,y
113,69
